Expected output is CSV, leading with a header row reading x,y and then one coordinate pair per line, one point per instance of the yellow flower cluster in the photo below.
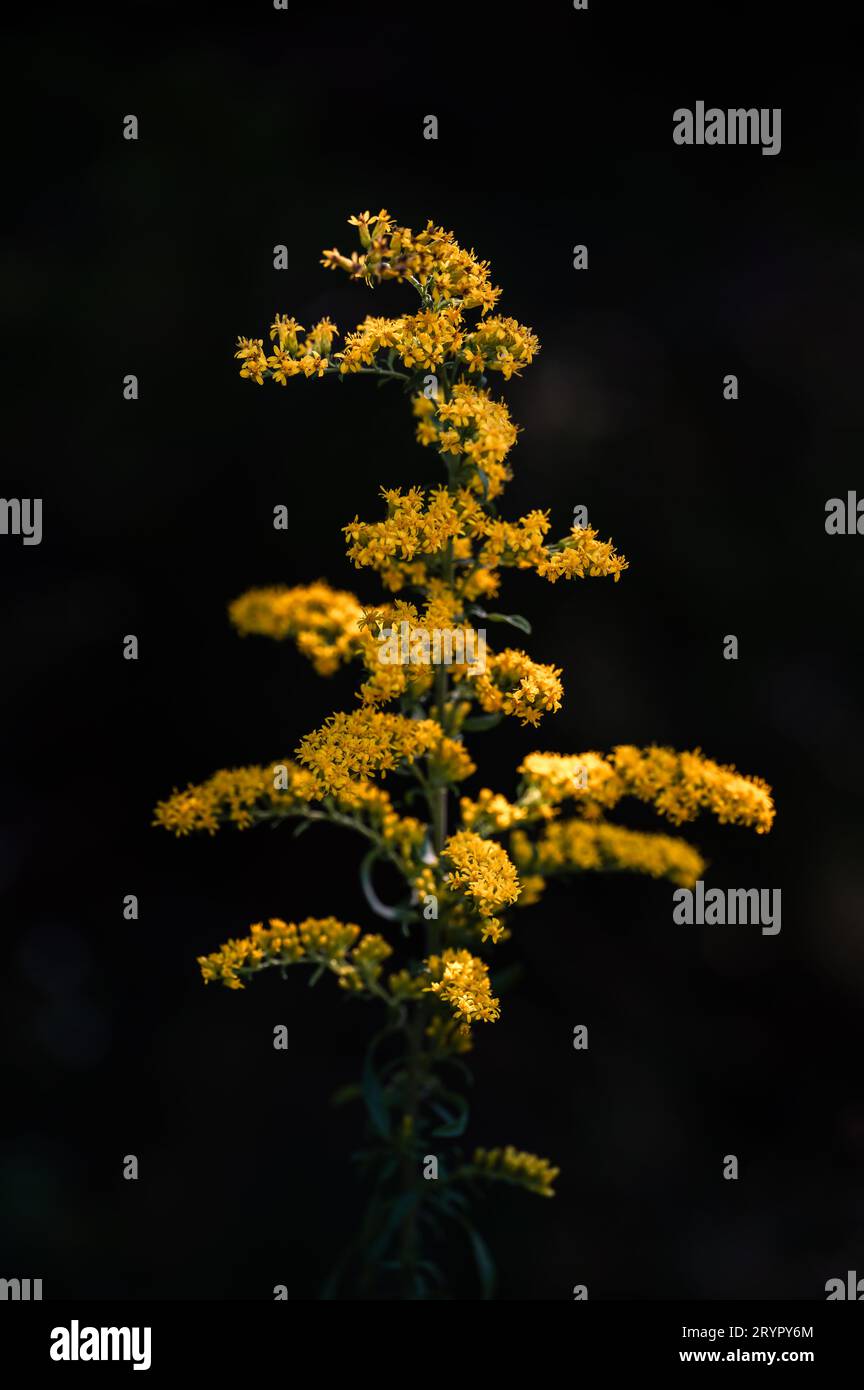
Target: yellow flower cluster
x,y
289,357
483,871
473,427
247,794
516,544
582,554
550,778
448,1037
432,259
514,684
236,795
405,985
403,834
678,785
491,810
451,761
367,741
500,345
578,845
324,622
533,887
462,981
412,527
315,941
513,1165
420,341
387,682
444,608
365,963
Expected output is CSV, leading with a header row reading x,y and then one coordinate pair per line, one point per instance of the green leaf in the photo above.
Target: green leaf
x,y
479,723
513,619
432,1270
454,1114
398,1211
390,914
373,1092
447,1198
482,1258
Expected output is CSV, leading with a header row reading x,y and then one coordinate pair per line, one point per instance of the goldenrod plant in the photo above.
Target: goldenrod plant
x,y
466,863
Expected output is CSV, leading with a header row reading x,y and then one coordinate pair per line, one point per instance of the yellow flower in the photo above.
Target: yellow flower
x,y
473,427
285,329
324,622
323,941
349,746
379,224
517,544
451,761
448,1037
579,846
550,778
289,357
483,871
246,795
513,1165
680,785
366,963
239,795
533,887
404,985
490,810
500,345
462,981
319,340
282,366
422,341
514,684
432,259
412,528
443,546
581,554
251,352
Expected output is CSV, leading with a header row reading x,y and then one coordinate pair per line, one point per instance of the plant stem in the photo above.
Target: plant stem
x,y
410,1176
436,796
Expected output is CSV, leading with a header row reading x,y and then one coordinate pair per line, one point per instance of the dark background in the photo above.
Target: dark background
x,y
259,128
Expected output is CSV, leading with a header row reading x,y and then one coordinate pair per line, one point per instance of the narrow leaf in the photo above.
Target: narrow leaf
x,y
513,619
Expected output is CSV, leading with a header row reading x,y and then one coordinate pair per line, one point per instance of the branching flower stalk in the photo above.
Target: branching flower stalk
x,y
465,867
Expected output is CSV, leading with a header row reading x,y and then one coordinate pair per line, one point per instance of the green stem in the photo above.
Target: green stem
x,y
377,371
409,1245
436,796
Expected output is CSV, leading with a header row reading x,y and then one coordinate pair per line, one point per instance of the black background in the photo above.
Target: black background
x,y
258,128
